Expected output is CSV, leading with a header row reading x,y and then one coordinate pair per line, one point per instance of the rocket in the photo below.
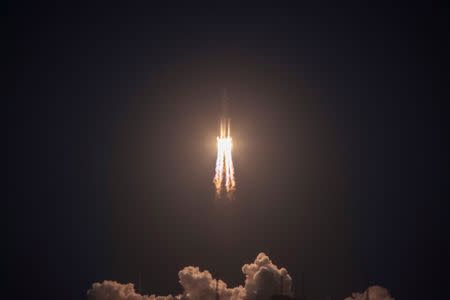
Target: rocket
x,y
225,120
224,163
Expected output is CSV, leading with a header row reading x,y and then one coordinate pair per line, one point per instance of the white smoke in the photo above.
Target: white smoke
x,y
201,285
262,280
372,293
111,290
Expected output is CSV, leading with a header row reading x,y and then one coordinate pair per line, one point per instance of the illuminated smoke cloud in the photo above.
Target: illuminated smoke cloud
x,y
262,280
201,285
372,293
111,290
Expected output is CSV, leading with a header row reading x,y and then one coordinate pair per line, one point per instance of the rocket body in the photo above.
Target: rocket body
x,y
225,127
225,120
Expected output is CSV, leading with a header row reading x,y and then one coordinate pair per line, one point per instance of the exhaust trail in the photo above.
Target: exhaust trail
x,y
224,179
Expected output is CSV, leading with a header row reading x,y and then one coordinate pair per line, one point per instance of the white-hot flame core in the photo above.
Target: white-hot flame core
x,y
224,162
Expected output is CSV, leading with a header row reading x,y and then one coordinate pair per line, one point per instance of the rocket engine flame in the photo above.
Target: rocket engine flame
x,y
224,162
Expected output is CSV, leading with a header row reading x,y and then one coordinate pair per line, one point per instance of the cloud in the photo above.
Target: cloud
x,y
372,293
262,280
111,290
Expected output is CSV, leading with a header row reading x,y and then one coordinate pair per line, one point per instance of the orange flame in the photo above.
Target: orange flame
x,y
224,162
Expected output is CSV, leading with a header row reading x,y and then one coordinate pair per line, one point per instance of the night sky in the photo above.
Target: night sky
x,y
337,121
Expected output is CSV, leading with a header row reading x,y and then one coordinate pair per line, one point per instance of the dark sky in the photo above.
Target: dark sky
x,y
337,121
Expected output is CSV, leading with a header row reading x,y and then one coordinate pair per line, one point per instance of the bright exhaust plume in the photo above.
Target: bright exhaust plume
x,y
224,179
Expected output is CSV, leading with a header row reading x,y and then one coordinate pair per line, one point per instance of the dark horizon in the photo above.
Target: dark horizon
x,y
337,116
